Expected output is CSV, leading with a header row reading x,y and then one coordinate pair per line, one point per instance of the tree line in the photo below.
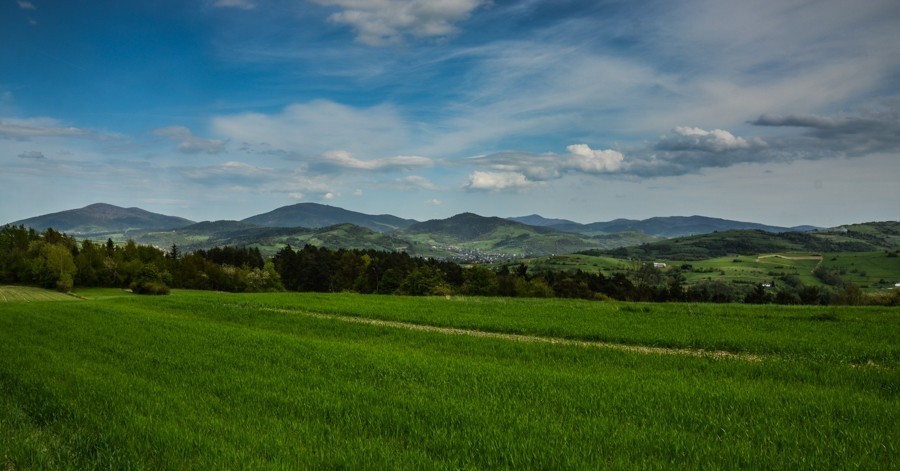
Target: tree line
x,y
57,261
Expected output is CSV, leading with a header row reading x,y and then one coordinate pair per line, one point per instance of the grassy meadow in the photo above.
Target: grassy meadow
x,y
214,380
15,294
869,270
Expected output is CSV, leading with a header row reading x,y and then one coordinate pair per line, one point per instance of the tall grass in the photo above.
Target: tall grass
x,y
214,381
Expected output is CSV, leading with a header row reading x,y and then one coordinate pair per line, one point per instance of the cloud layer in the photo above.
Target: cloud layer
x,y
384,22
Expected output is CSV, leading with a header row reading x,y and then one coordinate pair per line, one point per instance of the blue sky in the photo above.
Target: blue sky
x,y
780,112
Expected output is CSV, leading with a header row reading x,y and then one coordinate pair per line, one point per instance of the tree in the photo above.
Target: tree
x,y
53,265
480,281
424,281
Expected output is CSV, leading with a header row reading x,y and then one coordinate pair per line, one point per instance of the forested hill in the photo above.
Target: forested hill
x,y
466,227
101,218
853,238
671,226
313,215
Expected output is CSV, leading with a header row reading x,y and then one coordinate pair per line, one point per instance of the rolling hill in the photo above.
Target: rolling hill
x,y
269,240
671,226
101,218
537,220
468,235
853,238
313,215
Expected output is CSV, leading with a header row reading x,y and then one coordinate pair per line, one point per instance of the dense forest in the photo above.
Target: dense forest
x,y
57,261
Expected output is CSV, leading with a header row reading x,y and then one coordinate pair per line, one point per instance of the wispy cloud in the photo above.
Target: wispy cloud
x,y
26,5
32,154
498,181
413,182
189,143
383,22
239,4
38,127
320,126
346,160
873,130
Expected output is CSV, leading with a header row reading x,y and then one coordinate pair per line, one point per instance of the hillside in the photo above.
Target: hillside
x,y
101,218
269,240
672,226
856,238
470,236
313,215
467,227
537,220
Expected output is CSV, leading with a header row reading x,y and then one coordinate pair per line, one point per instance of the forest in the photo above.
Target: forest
x,y
54,260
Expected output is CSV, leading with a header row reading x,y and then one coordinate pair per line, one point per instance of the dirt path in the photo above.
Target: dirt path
x,y
530,338
803,257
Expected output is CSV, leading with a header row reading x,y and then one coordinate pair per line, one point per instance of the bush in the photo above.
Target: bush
x,y
150,287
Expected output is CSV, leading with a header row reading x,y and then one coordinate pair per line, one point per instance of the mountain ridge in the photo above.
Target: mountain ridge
x,y
100,218
315,215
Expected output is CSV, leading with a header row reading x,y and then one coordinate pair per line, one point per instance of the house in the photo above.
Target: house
x,y
659,265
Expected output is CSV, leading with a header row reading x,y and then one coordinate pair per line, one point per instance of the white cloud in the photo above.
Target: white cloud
x,y
497,181
344,159
32,154
296,195
434,202
542,167
583,158
717,140
330,196
239,4
358,192
189,143
26,5
382,22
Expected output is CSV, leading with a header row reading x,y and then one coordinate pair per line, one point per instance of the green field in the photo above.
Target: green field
x,y
869,270
17,294
212,380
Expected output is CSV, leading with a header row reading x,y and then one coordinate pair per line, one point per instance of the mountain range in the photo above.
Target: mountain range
x,y
464,236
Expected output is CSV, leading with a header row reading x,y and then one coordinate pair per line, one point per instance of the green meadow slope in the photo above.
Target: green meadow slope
x,y
209,380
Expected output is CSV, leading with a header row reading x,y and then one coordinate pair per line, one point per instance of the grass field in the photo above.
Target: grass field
x,y
212,380
15,294
869,270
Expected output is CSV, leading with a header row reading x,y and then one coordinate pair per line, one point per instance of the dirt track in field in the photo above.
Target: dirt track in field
x,y
785,257
717,354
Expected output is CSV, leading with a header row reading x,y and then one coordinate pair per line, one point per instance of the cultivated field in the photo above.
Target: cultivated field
x,y
212,380
869,270
14,294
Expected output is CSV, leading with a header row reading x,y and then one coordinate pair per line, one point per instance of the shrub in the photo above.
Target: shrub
x,y
150,287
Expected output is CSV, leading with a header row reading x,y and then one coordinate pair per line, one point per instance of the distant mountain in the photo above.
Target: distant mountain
x,y
101,218
269,240
470,236
313,215
540,221
672,226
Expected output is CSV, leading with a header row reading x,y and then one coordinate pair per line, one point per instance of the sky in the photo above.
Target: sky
x,y
784,112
